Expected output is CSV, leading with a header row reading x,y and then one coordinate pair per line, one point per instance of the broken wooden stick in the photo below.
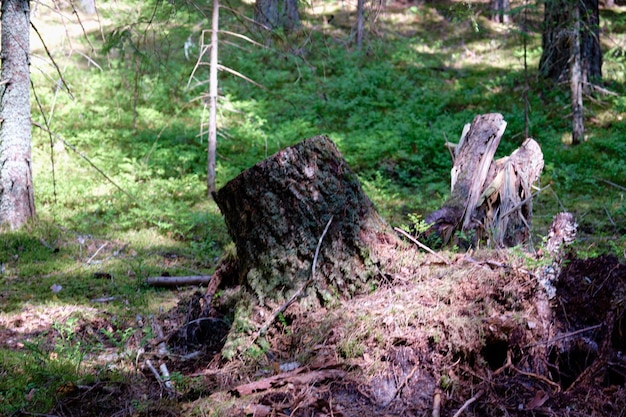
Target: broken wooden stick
x,y
178,281
468,403
295,377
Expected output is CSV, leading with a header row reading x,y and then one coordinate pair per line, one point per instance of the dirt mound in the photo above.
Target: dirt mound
x,y
474,337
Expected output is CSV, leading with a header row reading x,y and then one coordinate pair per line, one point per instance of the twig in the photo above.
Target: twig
x,y
564,336
468,403
298,293
421,245
166,377
154,371
161,347
619,187
556,386
98,251
45,119
79,153
404,382
54,63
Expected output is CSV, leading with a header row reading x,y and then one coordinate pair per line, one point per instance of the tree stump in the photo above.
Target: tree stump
x,y
489,199
276,212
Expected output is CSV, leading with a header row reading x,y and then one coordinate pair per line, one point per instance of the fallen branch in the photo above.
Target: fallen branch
x,y
468,403
404,382
564,336
421,245
295,377
178,281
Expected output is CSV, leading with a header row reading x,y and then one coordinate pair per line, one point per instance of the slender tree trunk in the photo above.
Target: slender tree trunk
x,y
576,78
212,142
360,9
500,10
17,203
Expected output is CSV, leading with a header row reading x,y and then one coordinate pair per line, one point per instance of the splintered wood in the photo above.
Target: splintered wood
x,y
490,199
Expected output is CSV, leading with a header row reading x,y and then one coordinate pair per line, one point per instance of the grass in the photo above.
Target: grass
x,y
422,74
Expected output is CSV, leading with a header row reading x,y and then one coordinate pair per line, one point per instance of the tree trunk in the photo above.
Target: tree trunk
x,y
274,14
17,203
558,22
576,81
276,212
500,10
291,19
360,22
489,199
212,142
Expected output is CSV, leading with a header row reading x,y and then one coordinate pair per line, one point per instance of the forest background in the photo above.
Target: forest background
x,y
120,184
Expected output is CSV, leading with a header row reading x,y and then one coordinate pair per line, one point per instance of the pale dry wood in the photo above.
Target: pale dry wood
x,y
298,376
421,245
178,281
468,403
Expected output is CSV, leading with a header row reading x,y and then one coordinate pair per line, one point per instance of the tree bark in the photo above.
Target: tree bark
x,y
558,22
576,81
17,203
489,199
212,142
276,212
360,22
274,14
500,10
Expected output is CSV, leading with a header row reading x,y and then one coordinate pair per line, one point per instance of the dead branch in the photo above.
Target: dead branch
x,y
295,377
564,336
178,281
404,382
421,245
468,403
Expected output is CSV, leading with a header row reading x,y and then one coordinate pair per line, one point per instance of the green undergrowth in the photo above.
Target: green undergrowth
x,y
121,194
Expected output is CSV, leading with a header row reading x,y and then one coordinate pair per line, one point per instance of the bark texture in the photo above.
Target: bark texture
x,y
500,10
489,200
277,210
16,184
557,25
274,14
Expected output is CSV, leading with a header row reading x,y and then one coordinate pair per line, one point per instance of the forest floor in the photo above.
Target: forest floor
x,y
469,334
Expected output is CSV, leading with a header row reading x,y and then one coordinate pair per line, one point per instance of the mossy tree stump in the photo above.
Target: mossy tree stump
x,y
276,212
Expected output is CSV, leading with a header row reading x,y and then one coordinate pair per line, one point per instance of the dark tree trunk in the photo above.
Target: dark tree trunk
x,y
277,210
558,22
274,14
500,10
489,199
16,183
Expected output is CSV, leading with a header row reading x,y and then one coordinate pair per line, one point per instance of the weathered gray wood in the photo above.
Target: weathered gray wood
x,y
472,158
178,281
492,200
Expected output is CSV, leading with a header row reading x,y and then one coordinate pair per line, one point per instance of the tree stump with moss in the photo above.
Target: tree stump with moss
x,y
489,199
276,213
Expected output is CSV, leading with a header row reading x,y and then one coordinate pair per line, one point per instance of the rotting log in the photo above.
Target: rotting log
x,y
489,199
276,212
